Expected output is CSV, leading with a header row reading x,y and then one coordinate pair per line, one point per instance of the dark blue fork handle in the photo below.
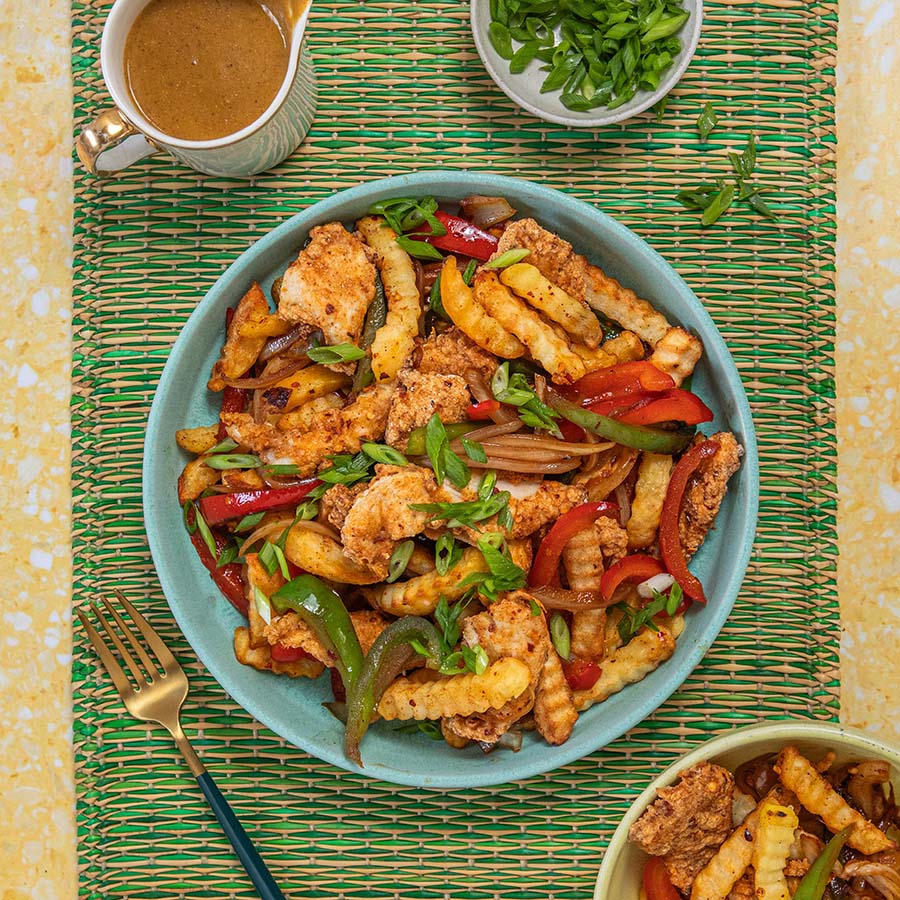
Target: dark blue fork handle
x,y
243,846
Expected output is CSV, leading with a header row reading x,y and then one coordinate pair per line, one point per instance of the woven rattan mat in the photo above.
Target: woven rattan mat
x,y
401,88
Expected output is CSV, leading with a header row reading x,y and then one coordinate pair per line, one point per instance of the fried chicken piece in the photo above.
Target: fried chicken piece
x,y
745,888
506,628
550,254
336,503
290,630
381,516
418,397
687,822
533,505
706,490
453,353
545,504
330,284
336,431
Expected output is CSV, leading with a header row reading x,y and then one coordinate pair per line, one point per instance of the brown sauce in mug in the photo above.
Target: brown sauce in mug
x,y
204,69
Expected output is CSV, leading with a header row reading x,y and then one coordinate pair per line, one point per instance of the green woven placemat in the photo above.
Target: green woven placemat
x,y
401,88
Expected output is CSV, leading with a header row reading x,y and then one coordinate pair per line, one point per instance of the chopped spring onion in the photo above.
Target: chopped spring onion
x,y
400,560
262,604
382,453
510,258
338,353
559,634
231,461
594,52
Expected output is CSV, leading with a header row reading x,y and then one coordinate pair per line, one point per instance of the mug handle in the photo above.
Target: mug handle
x,y
111,143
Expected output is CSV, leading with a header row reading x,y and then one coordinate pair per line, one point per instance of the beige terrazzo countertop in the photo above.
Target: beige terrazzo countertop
x,y
37,834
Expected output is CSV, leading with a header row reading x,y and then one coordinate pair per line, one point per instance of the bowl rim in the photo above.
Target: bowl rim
x,y
786,730
579,744
506,80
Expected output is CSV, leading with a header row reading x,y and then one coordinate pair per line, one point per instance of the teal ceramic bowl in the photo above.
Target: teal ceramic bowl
x,y
293,708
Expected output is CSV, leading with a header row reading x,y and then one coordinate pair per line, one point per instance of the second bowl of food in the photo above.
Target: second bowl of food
x,y
446,430
777,811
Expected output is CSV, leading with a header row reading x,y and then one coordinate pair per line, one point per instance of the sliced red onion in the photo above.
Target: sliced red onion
x,y
486,211
658,583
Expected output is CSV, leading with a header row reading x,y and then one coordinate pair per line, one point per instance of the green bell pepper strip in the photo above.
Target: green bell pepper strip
x,y
375,318
415,445
388,656
816,879
637,436
324,611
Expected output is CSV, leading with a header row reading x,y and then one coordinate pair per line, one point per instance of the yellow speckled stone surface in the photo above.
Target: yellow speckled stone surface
x,y
37,829
868,363
37,858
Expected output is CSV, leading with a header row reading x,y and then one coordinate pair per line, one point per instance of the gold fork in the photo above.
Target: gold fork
x,y
158,696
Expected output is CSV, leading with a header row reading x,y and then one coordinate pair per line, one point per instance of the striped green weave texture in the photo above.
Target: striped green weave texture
x,y
401,88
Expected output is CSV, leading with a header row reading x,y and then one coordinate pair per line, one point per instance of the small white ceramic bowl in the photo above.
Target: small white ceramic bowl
x,y
620,873
524,88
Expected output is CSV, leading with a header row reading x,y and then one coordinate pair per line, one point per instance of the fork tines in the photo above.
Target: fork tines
x,y
164,664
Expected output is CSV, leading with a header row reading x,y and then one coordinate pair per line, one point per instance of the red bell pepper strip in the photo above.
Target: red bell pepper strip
x,y
582,674
672,406
283,654
656,882
478,412
616,407
669,540
570,431
227,578
621,379
462,237
218,508
234,400
635,568
546,560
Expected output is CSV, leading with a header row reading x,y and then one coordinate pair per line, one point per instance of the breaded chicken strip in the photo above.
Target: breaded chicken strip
x,y
532,505
290,630
706,490
381,516
330,284
688,822
453,353
336,503
418,397
506,629
336,431
550,254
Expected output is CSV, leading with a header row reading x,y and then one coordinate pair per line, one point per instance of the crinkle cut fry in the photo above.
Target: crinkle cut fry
x,y
676,353
622,305
774,836
455,695
395,339
631,663
588,634
717,879
554,707
799,775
